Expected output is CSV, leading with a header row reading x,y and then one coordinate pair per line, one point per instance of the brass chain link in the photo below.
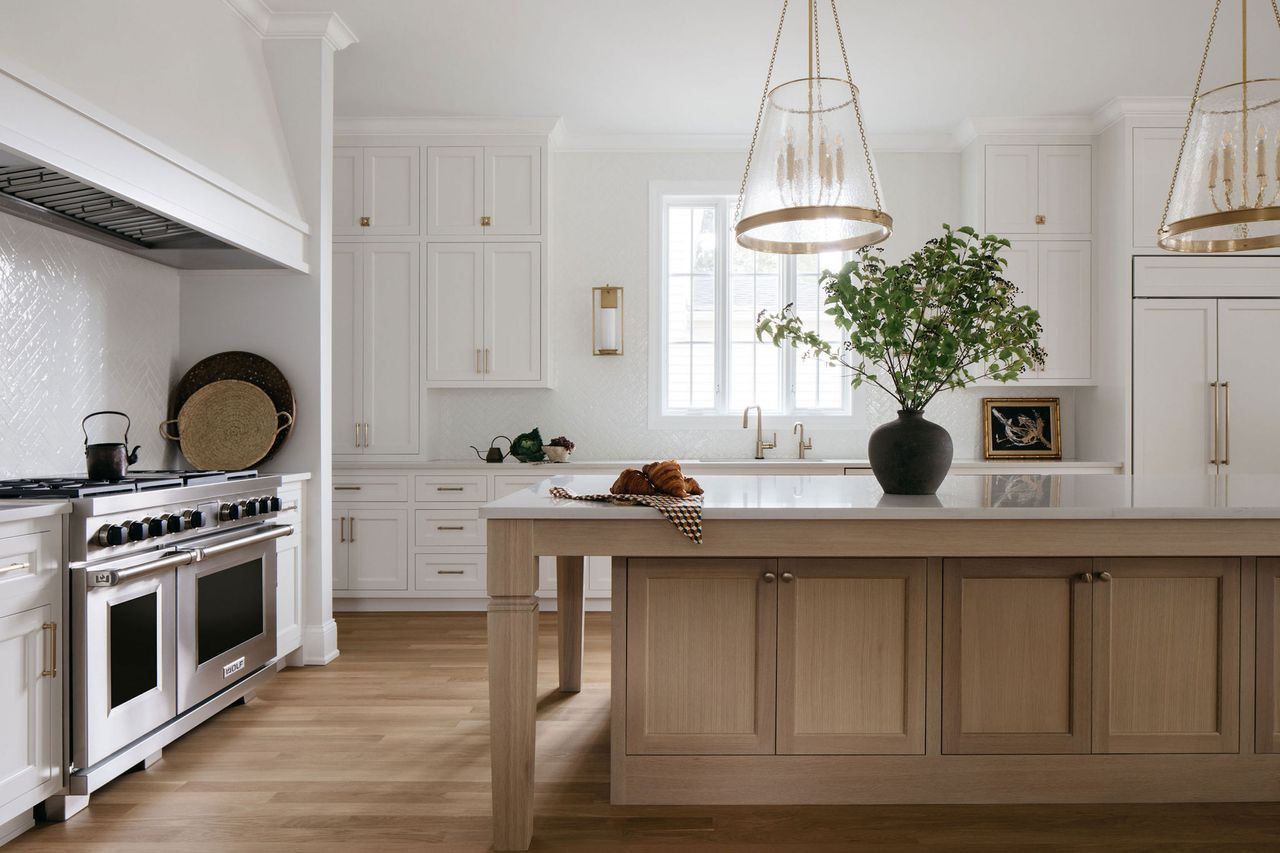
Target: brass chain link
x,y
1191,111
857,108
764,98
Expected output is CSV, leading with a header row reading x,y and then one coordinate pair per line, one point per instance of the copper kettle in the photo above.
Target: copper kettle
x,y
109,461
494,453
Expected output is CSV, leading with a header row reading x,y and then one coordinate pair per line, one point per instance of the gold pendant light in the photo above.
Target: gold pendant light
x,y
1225,195
810,184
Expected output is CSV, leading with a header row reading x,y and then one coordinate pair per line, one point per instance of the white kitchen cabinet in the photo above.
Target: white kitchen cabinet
x,y
376,546
376,191
494,190
1155,153
486,318
376,326
1247,380
289,571
1038,190
341,557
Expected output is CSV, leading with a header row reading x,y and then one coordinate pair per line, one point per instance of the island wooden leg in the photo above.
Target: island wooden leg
x,y
569,606
513,679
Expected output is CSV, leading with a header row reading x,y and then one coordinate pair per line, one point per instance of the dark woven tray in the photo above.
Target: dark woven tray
x,y
247,367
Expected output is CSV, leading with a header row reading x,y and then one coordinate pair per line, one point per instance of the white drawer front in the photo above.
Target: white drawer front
x,y
449,572
444,528
439,488
360,488
509,484
28,563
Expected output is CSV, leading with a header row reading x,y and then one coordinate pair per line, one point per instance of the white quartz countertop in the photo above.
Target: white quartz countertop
x,y
993,496
21,510
768,464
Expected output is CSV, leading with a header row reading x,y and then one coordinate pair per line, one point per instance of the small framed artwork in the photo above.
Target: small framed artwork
x,y
1022,490
1021,428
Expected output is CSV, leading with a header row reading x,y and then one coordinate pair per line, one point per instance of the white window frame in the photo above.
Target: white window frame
x,y
718,194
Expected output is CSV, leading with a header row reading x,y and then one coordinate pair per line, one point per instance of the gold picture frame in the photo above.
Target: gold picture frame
x,y
1021,428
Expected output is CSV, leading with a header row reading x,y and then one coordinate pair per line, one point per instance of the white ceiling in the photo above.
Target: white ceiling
x,y
697,66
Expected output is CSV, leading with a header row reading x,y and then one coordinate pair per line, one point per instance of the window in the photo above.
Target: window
x,y
708,291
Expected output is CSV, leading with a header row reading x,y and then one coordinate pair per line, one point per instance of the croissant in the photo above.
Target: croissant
x,y
667,478
691,486
631,482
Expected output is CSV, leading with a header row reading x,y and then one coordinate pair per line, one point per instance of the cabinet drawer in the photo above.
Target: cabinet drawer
x,y
448,572
468,488
437,528
509,484
360,488
28,563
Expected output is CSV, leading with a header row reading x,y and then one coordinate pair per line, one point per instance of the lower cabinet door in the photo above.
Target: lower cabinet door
x,y
1167,655
851,641
378,549
1016,655
341,556
701,656
28,703
1268,669
288,594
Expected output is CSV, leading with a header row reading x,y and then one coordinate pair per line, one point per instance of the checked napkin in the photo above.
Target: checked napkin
x,y
684,513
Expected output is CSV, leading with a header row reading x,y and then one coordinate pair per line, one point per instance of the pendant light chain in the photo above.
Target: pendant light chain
x,y
755,134
857,109
1191,111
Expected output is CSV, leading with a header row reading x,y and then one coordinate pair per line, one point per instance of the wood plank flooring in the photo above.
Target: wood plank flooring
x,y
386,750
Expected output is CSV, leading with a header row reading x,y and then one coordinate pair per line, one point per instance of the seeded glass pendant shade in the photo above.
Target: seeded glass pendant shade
x,y
1225,195
810,183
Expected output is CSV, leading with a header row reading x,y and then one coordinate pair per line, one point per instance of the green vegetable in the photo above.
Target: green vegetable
x,y
527,447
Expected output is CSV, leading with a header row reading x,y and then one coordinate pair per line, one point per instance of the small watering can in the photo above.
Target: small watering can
x,y
108,461
495,453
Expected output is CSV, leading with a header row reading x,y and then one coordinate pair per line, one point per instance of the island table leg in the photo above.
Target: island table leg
x,y
569,607
513,679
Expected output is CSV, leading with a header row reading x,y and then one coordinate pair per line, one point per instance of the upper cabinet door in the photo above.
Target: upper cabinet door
x,y
455,190
513,312
391,191
348,347
1155,154
513,190
1023,258
1064,298
391,358
1012,187
1175,358
28,703
455,314
1250,404
1065,189
348,191
1167,655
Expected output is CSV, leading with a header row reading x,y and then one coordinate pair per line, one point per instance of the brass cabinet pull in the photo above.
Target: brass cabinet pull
x,y
51,669
357,433
787,577
351,534
15,568
366,434
365,222
450,527
479,369
486,360
450,572
1226,423
1213,451
1104,576
347,488
1039,218
486,221
449,488
342,529
1087,577
770,577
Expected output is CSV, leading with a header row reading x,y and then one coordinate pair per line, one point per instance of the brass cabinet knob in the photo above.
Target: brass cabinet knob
x,y
770,577
1087,577
1039,218
364,222
486,221
787,577
1104,576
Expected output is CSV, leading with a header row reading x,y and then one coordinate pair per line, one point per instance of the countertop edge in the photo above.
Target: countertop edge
x,y
17,511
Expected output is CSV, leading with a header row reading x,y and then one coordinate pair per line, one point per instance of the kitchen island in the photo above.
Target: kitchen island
x,y
1018,638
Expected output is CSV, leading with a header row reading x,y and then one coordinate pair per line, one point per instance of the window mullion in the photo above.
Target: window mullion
x,y
723,350
789,297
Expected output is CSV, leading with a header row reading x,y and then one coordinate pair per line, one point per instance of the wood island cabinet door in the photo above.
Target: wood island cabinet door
x,y
1015,656
701,656
1167,655
1268,664
851,639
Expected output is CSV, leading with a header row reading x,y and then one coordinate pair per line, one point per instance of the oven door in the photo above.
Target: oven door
x,y
125,668
227,614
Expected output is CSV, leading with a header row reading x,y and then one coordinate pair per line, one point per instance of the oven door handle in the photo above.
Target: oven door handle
x,y
115,577
226,547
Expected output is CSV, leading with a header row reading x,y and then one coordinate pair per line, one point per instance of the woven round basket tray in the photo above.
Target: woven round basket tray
x,y
227,426
248,367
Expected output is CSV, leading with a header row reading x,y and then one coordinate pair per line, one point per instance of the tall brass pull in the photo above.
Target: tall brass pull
x,y
1213,451
51,670
486,360
357,433
479,369
366,434
353,530
1226,423
342,529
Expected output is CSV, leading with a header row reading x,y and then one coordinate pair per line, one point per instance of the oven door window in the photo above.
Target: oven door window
x,y
229,609
134,653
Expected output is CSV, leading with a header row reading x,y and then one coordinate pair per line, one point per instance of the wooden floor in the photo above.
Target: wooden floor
x,y
386,750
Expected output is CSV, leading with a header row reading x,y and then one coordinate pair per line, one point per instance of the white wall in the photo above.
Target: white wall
x,y
82,328
188,73
600,233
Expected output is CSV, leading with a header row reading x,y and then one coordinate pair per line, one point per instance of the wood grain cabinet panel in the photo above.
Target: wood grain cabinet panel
x,y
851,637
1016,643
1167,655
1268,662
701,656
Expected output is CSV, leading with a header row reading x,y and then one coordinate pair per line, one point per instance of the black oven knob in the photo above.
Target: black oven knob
x,y
274,503
156,526
112,534
250,508
173,522
193,517
137,531
229,512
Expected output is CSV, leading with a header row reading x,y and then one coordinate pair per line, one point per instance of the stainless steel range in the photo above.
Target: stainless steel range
x,y
172,584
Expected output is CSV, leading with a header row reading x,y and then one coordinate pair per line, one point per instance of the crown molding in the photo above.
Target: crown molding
x,y
1134,107
255,13
327,26
445,125
733,143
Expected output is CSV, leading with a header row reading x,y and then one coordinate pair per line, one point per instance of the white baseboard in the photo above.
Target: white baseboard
x,y
443,605
14,827
320,643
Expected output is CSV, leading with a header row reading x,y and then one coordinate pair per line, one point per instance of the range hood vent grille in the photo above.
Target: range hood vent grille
x,y
90,207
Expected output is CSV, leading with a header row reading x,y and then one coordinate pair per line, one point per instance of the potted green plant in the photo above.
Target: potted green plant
x,y
944,318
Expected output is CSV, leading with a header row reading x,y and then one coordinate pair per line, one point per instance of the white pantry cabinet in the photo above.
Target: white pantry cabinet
x,y
1038,190
491,190
376,191
376,330
485,315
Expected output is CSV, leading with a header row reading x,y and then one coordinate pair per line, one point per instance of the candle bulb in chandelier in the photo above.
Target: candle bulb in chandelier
x,y
839,159
1262,155
1228,165
1213,171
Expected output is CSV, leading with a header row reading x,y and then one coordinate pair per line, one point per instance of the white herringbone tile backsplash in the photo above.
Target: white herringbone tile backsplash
x,y
82,328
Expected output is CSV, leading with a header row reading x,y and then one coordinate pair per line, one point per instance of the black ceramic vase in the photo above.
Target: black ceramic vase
x,y
910,456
